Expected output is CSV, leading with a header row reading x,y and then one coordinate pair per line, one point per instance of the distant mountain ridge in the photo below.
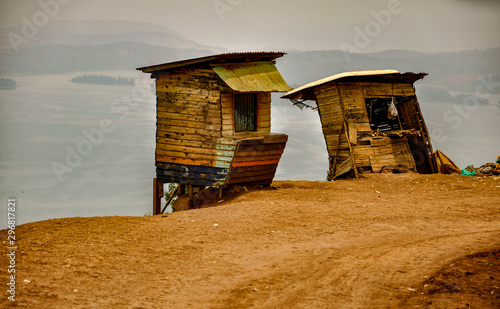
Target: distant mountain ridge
x,y
93,45
53,59
96,32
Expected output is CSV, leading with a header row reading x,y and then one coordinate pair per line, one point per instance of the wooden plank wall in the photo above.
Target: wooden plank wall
x,y
189,125
256,160
263,115
412,119
346,101
195,138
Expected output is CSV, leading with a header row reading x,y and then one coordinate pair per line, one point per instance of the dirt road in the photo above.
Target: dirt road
x,y
377,242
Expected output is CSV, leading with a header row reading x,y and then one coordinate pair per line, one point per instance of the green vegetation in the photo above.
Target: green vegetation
x,y
102,80
7,83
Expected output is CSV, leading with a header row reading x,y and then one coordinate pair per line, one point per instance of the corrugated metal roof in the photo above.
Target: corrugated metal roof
x,y
254,76
369,75
220,58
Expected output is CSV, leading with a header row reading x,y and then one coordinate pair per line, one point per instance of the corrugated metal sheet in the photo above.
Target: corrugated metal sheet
x,y
332,78
248,77
227,57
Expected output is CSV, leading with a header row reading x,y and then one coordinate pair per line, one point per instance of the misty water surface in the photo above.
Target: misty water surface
x,y
45,119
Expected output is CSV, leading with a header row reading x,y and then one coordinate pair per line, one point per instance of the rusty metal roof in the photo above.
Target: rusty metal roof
x,y
215,59
254,76
387,76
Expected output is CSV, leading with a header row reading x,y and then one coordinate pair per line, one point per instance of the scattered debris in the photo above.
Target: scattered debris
x,y
488,169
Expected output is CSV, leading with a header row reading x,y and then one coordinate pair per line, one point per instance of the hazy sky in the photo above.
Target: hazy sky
x,y
424,25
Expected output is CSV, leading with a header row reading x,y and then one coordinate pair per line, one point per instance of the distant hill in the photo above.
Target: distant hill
x,y
96,32
452,71
72,58
313,65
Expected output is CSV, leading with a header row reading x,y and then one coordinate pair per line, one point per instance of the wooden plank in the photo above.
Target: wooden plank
x,y
255,163
257,169
275,138
191,168
186,97
251,178
202,126
211,175
403,89
194,150
391,160
192,161
213,144
194,156
363,127
157,196
210,113
344,128
254,154
326,89
260,147
193,78
187,137
387,89
174,106
377,141
214,118
167,86
172,195
185,130
353,133
256,158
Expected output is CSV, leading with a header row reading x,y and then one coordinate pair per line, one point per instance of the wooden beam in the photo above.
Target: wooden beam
x,y
170,198
346,133
157,194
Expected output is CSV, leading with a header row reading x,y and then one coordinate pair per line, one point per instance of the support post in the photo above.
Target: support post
x,y
157,195
170,198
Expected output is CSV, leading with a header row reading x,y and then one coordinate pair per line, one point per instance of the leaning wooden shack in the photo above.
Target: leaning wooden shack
x,y
213,124
370,120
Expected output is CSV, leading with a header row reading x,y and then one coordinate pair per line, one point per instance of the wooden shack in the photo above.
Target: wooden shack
x,y
370,120
213,121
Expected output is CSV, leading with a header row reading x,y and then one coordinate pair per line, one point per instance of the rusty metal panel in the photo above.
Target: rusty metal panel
x,y
256,76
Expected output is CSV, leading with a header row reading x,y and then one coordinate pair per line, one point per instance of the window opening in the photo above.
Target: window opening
x,y
382,113
245,112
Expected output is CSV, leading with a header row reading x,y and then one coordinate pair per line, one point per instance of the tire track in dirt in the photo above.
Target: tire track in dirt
x,y
375,272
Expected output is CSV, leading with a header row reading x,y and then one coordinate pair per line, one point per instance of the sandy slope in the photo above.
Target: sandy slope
x,y
370,243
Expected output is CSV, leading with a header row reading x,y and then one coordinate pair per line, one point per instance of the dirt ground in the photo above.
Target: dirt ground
x,y
384,241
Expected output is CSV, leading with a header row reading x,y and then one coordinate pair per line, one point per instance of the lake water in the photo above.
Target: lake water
x,y
88,150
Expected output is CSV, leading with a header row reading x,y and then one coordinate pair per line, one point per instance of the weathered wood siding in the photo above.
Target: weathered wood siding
x,y
189,128
263,115
195,139
256,160
346,126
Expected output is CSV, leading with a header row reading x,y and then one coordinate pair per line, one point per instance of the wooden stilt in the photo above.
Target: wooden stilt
x,y
157,195
170,198
220,191
191,193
